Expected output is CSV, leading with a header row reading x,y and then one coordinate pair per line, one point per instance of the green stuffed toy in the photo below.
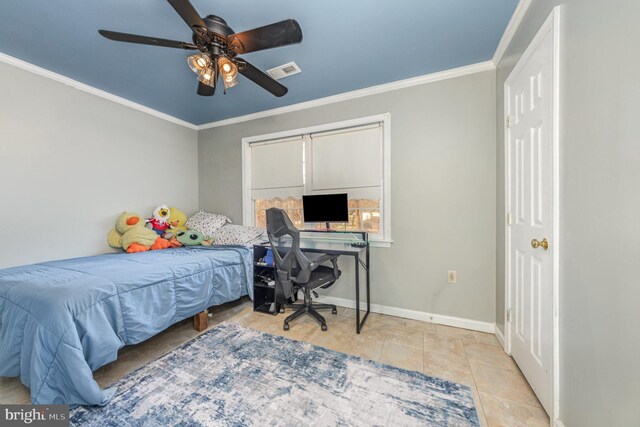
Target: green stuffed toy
x,y
190,237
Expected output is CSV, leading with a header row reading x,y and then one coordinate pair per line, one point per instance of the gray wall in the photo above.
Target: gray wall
x,y
600,205
71,162
443,191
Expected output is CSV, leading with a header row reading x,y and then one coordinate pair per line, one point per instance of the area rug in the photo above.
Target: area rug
x,y
235,376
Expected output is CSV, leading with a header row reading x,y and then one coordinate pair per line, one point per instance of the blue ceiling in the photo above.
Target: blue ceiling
x,y
347,45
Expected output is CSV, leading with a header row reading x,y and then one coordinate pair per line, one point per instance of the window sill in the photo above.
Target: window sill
x,y
380,243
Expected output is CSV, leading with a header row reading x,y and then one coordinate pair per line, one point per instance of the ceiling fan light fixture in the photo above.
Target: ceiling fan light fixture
x,y
229,83
208,76
199,62
228,71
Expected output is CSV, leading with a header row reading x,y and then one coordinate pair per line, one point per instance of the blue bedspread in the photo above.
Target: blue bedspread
x,y
61,320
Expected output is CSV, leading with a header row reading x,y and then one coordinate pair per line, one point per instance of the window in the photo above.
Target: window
x,y
348,157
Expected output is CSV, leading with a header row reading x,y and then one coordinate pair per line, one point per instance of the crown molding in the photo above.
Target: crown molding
x,y
373,90
43,72
510,31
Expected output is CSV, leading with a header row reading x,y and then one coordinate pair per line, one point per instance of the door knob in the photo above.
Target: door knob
x,y
544,244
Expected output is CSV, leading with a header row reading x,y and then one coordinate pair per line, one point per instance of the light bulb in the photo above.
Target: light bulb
x,y
229,83
198,62
207,76
229,71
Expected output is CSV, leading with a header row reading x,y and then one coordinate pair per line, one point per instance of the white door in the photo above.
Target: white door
x,y
529,138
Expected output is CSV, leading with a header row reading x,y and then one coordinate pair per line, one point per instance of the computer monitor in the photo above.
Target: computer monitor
x,y
326,208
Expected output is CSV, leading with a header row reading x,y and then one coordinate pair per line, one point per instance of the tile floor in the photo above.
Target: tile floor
x,y
502,395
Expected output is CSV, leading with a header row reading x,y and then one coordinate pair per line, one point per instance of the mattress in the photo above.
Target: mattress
x,y
61,320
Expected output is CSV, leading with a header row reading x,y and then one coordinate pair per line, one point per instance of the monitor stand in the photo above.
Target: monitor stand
x,y
326,229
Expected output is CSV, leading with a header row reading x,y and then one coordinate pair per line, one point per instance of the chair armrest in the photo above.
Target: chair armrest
x,y
322,259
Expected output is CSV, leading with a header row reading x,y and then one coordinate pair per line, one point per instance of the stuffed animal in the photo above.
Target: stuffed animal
x,y
190,237
177,221
160,220
131,235
174,242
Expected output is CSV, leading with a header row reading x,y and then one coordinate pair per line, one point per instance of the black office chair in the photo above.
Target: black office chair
x,y
295,271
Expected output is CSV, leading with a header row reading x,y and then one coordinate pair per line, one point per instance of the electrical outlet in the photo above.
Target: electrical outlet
x,y
452,276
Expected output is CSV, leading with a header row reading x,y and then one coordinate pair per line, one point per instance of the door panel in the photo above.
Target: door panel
x,y
519,294
529,144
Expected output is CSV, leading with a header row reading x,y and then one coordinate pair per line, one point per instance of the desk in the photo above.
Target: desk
x,y
342,246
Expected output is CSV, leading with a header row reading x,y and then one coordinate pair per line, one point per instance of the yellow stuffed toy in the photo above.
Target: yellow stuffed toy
x,y
177,221
131,235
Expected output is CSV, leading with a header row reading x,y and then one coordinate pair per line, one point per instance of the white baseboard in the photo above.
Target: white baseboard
x,y
500,337
558,423
458,322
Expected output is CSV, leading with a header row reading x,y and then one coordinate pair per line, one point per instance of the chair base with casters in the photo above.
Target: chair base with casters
x,y
310,309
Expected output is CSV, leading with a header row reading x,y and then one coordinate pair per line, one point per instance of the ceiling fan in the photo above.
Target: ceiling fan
x,y
219,48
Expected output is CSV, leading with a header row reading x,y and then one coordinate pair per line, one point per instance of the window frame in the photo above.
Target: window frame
x,y
384,120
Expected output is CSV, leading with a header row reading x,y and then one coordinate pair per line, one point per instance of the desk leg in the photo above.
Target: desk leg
x,y
357,259
368,286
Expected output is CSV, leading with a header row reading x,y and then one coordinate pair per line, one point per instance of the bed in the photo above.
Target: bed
x,y
61,320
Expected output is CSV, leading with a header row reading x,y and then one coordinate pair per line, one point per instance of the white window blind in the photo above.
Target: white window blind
x,y
276,168
348,159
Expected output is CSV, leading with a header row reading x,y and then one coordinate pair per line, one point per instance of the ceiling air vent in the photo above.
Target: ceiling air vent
x,y
284,70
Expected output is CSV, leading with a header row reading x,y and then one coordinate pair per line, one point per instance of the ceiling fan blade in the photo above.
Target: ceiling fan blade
x,y
275,35
153,41
205,90
260,78
188,13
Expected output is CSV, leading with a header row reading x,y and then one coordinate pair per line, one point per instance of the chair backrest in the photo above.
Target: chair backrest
x,y
294,265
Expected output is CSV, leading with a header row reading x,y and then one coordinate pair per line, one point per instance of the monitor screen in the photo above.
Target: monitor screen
x,y
326,208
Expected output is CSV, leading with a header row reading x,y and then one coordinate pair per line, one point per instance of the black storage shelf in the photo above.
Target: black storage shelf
x,y
263,295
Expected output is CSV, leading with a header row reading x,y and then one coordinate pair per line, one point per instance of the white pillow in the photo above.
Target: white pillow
x,y
207,223
232,234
